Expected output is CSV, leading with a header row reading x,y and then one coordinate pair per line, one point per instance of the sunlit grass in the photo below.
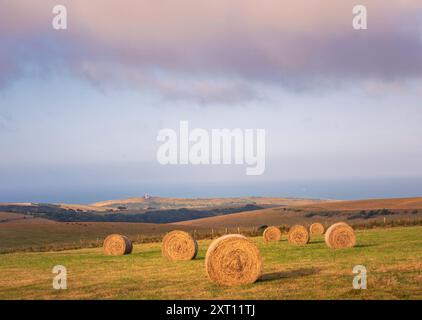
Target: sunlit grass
x,y
393,258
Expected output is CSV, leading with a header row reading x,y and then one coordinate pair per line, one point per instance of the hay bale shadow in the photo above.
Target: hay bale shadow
x,y
289,274
316,241
364,245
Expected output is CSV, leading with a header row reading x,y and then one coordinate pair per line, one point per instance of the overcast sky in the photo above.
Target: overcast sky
x,y
80,109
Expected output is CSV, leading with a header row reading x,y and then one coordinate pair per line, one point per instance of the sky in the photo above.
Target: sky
x,y
80,109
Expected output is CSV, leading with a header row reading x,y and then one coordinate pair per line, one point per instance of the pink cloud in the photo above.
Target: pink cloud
x,y
271,40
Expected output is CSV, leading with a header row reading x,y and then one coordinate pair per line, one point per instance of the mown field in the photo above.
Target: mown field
x,y
393,258
46,235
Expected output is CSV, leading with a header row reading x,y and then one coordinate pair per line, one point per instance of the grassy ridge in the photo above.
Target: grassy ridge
x,y
393,258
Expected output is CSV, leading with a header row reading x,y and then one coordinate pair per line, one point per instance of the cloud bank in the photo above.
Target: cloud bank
x,y
214,50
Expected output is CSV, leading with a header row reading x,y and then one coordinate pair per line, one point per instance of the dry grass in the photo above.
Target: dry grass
x,y
370,204
11,218
325,212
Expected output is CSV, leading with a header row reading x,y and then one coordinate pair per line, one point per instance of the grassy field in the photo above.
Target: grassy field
x,y
30,235
393,258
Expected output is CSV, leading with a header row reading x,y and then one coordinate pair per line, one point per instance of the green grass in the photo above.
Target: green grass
x,y
393,258
56,236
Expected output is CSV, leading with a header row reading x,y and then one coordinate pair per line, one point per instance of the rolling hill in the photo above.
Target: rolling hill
x,y
369,204
162,203
328,212
149,209
33,231
18,218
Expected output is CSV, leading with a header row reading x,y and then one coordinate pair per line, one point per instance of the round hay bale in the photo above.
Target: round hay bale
x,y
179,245
316,229
117,245
298,235
233,260
272,234
340,235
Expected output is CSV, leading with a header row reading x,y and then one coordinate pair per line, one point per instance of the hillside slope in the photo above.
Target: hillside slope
x,y
162,203
328,212
370,204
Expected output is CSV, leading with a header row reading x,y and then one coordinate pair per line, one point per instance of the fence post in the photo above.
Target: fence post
x,y
212,233
238,230
226,230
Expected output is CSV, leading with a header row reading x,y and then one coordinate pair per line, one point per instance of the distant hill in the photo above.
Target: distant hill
x,y
330,211
149,209
18,218
217,212
391,203
161,203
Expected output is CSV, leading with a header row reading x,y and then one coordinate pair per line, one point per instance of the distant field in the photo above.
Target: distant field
x,y
393,258
287,216
18,218
392,203
39,235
